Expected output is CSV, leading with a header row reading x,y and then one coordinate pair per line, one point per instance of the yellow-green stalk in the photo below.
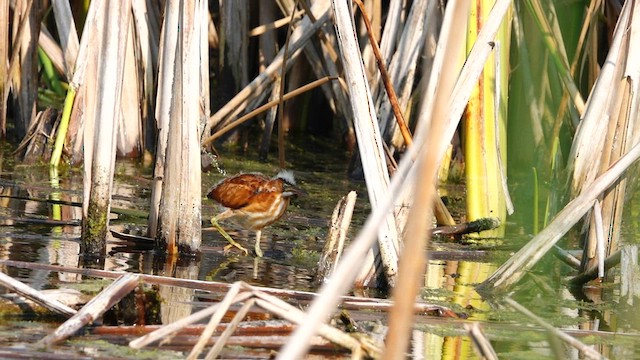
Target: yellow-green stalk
x,y
485,128
64,126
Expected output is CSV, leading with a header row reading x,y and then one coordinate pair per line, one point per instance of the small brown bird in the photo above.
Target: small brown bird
x,y
253,201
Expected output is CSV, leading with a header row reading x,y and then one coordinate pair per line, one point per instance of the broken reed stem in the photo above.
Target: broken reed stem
x,y
334,244
230,329
391,93
35,295
221,309
240,292
284,310
169,329
586,350
93,309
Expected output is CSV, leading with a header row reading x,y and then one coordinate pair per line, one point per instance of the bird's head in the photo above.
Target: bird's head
x,y
290,187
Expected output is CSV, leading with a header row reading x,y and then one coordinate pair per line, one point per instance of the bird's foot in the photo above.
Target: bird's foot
x,y
228,248
232,243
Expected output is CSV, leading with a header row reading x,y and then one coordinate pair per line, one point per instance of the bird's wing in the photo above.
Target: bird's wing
x,y
236,192
261,202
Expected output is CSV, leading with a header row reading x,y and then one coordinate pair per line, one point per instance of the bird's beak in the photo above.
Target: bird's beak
x,y
291,191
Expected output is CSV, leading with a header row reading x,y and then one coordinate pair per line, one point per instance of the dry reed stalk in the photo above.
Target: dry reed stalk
x,y
347,302
369,138
146,22
270,105
344,275
23,66
147,35
373,9
234,42
269,23
284,310
79,136
391,94
230,329
322,63
585,152
404,75
34,295
99,167
129,122
94,309
389,39
403,69
167,330
270,120
166,62
283,72
261,83
68,35
341,281
242,292
4,70
417,234
222,308
624,132
336,236
614,137
205,86
179,220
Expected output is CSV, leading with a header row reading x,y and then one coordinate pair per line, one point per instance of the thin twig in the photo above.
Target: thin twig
x,y
393,99
259,30
265,107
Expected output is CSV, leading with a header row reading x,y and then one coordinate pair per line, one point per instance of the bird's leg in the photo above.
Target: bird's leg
x,y
232,243
258,250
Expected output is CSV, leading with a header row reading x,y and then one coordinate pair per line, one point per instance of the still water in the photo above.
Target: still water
x,y
37,230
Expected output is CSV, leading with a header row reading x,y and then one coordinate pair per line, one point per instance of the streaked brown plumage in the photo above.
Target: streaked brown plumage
x,y
253,201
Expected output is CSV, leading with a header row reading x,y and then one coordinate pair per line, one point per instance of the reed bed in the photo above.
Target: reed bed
x,y
142,86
